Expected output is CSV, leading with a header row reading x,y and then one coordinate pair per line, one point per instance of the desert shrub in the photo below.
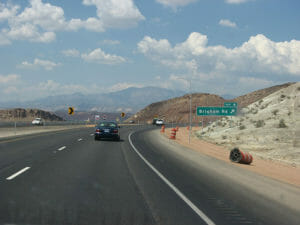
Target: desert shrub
x,y
282,96
298,88
275,111
259,123
242,127
282,124
254,111
289,113
224,136
260,101
237,138
219,123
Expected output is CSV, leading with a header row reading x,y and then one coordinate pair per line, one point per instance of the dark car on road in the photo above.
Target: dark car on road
x,y
107,130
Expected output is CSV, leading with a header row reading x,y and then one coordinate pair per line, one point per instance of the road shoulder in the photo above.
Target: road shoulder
x,y
273,169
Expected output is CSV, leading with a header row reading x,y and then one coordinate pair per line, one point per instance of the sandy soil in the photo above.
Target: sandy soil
x,y
276,170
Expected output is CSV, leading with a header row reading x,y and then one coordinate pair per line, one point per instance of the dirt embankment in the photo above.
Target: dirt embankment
x,y
268,128
274,169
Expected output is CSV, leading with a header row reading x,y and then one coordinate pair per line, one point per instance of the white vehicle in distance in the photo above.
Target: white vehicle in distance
x,y
37,121
159,122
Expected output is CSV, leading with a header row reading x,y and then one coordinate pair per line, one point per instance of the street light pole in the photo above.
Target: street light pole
x,y
190,130
190,119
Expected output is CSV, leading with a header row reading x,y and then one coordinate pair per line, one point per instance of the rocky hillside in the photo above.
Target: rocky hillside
x,y
177,109
269,127
248,99
20,114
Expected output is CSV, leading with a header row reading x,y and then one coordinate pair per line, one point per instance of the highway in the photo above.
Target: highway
x,y
67,177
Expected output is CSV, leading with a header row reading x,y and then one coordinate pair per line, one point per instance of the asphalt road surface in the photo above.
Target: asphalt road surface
x,y
67,177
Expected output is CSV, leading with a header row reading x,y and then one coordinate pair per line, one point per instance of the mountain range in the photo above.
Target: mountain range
x,y
127,100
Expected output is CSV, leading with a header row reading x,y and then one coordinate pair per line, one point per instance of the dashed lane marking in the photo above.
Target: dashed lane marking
x,y
17,173
61,148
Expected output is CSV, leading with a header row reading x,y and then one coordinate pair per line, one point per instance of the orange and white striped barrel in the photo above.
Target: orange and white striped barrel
x,y
238,156
162,129
173,133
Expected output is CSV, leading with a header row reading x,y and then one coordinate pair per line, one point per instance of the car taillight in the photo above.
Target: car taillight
x,y
98,130
115,131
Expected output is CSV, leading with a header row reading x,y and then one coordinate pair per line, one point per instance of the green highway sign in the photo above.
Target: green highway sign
x,y
230,104
216,111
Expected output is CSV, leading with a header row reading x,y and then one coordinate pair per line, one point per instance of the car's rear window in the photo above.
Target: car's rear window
x,y
107,125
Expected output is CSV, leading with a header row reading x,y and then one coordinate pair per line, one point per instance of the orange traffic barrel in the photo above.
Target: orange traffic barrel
x,y
162,129
173,134
238,156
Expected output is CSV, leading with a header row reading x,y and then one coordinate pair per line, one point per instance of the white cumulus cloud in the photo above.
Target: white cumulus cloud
x,y
39,63
99,56
39,21
175,3
116,13
7,79
257,55
71,53
227,23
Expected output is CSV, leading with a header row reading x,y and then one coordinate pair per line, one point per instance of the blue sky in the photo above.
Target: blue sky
x,y
95,46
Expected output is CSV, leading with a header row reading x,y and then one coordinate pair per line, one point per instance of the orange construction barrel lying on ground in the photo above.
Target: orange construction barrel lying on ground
x,y
162,129
173,134
238,156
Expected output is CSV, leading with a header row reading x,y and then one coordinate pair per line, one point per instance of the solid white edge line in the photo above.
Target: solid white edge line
x,y
61,148
179,193
92,134
18,173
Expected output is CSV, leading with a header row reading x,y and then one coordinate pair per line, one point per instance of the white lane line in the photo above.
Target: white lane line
x,y
92,134
80,139
18,173
61,148
179,193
